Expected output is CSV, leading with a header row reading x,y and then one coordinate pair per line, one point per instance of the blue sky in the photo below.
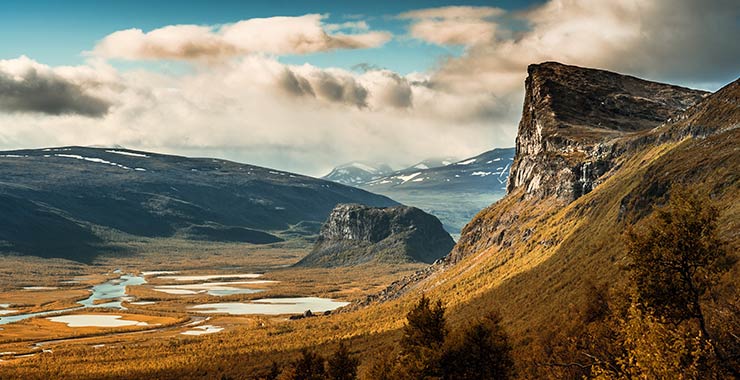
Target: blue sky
x,y
57,32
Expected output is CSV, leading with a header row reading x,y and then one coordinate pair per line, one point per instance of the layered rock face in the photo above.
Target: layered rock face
x,y
356,234
577,125
572,116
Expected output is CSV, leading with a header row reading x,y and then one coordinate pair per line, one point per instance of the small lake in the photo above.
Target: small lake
x,y
272,306
211,277
112,290
203,330
213,288
95,320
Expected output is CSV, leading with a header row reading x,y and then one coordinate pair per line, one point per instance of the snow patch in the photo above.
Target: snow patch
x,y
93,159
466,162
364,167
406,178
132,154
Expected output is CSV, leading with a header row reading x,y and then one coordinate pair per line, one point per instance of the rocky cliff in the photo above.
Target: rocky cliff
x,y
577,125
356,234
572,116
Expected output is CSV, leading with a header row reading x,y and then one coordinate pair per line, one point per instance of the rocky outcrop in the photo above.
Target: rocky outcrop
x,y
571,118
356,234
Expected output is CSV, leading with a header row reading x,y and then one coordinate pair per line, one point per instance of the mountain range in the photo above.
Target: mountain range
x,y
357,173
73,202
452,190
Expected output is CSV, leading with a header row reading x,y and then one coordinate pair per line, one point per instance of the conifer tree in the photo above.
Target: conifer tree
x,y
482,352
310,366
423,340
342,366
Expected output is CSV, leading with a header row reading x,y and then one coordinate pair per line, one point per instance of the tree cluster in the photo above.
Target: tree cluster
x,y
312,366
659,327
428,350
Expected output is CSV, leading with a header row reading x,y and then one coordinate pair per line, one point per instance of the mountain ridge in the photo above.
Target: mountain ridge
x,y
80,189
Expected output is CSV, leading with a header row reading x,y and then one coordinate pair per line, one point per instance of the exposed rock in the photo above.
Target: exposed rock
x,y
570,117
578,125
396,288
356,234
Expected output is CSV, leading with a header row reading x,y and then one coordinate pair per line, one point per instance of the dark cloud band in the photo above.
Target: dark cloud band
x,y
48,93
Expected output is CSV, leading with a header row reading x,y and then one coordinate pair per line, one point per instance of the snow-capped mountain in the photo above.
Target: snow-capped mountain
x,y
431,163
454,193
487,172
357,173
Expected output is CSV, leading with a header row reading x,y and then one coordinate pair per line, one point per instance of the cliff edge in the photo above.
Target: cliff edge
x,y
356,234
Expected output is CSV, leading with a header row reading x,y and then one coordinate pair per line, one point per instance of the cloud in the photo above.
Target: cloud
x,y
274,35
257,110
253,108
453,12
387,89
454,25
27,86
678,41
335,86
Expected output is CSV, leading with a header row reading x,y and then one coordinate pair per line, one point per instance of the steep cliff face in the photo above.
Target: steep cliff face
x,y
571,118
356,234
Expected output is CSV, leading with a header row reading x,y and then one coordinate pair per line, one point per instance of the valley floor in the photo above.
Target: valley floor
x,y
157,317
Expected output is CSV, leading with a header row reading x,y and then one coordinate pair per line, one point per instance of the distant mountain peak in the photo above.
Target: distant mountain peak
x,y
357,172
467,175
431,163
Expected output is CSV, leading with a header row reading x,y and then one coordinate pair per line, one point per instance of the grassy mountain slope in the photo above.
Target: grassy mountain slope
x,y
535,258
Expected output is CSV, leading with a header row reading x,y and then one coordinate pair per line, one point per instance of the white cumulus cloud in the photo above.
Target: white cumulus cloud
x,y
273,35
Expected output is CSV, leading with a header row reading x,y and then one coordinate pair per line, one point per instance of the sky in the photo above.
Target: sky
x,y
305,86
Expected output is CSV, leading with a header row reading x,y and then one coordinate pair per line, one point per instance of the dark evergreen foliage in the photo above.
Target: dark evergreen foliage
x,y
482,352
341,365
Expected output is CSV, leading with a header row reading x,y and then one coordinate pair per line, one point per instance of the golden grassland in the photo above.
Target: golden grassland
x,y
31,301
42,329
536,278
338,283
